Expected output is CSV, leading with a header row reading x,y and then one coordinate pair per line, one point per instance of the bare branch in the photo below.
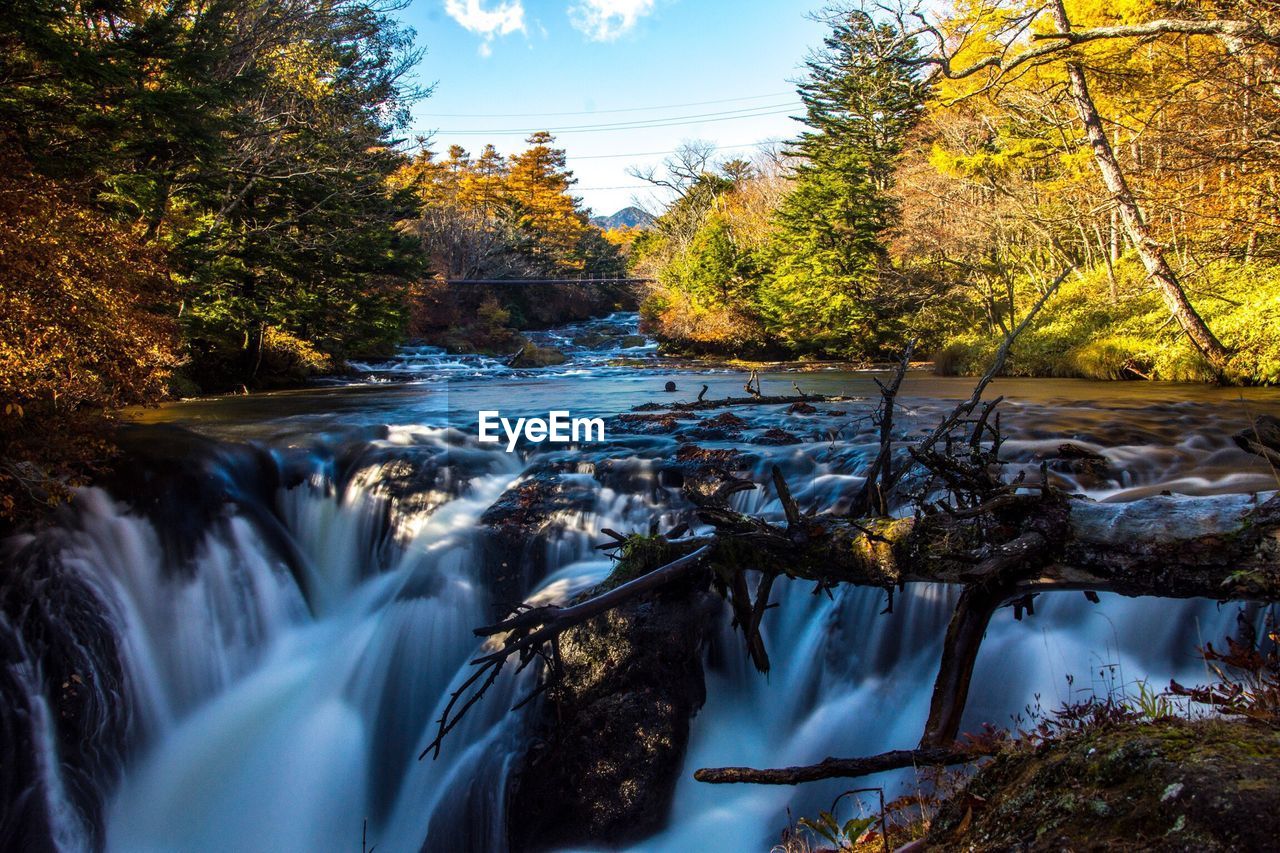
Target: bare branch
x,y
840,768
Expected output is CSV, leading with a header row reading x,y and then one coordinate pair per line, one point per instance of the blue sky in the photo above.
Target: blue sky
x,y
518,65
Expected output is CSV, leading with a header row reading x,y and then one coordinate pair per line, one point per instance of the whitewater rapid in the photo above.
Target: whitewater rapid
x,y
283,666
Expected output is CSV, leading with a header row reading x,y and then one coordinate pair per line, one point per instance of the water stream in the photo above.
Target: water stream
x,y
286,622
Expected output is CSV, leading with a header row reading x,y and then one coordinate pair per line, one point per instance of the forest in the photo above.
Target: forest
x,y
950,170
219,197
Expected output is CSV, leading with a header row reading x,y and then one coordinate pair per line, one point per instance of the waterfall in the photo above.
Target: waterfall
x,y
254,659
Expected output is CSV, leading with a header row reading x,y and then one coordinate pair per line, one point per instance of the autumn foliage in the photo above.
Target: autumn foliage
x,y
946,174
80,336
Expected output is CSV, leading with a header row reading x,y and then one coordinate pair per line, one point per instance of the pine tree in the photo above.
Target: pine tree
x,y
861,100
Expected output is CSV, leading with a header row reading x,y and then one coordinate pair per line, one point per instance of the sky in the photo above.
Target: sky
x,y
715,70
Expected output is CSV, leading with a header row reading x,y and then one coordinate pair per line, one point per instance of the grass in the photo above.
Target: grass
x,y
1083,333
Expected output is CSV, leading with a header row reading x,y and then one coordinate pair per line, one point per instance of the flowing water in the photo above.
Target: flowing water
x,y
262,637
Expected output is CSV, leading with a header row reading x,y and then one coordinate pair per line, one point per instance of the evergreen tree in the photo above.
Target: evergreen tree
x,y
861,99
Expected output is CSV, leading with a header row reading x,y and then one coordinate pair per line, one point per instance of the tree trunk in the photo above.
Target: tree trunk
x,y
1149,250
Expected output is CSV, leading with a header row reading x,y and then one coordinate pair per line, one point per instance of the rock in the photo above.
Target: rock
x,y
414,479
776,436
1172,784
590,340
633,341
1262,438
801,408
535,356
609,741
515,527
1086,467
723,427
184,482
660,423
58,644
670,387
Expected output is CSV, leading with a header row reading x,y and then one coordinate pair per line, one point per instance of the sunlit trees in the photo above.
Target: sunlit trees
x,y
496,217
250,140
198,180
813,279
82,332
1142,82
959,158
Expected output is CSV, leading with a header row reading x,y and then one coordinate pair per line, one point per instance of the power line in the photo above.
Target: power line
x,y
656,153
609,112
675,121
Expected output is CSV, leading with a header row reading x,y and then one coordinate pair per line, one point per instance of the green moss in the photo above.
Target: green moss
x,y
640,555
1172,784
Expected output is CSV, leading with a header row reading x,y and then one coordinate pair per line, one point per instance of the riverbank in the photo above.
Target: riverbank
x,y
1106,323
1168,784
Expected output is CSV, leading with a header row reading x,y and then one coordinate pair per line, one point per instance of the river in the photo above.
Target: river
x,y
263,637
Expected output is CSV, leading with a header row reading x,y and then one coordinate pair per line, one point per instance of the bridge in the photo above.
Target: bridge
x,y
529,281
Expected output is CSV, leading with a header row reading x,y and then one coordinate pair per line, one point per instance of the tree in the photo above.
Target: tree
x,y
989,47
495,217
81,334
861,99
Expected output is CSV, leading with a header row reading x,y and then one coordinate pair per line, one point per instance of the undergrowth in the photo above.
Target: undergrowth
x,y
1083,333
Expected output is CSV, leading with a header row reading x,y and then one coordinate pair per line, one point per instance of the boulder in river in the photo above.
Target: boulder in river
x,y
609,741
535,356
515,527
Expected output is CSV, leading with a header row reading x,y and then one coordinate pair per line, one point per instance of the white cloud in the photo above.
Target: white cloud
x,y
605,20
502,19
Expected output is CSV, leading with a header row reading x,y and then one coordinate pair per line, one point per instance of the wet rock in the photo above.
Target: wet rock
x,y
609,741
723,427
801,408
413,479
693,453
1085,467
515,528
1167,785
591,340
657,423
776,436
183,482
700,472
535,356
59,656
1262,438
632,341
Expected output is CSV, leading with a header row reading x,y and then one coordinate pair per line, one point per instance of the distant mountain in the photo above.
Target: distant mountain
x,y
628,217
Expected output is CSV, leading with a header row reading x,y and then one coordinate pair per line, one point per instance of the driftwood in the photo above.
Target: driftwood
x,y
1001,542
1262,438
702,404
836,768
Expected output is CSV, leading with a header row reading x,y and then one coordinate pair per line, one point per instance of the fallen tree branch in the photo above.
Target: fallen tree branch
x,y
701,405
841,768
873,496
1239,31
